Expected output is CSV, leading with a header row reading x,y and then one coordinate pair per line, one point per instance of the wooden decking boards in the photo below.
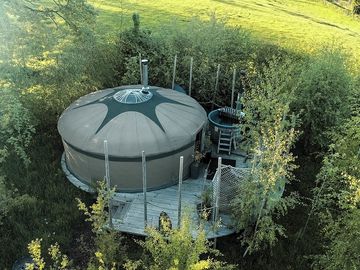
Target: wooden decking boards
x,y
128,213
167,200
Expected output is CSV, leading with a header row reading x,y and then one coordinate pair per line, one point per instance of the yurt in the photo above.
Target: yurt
x,y
164,123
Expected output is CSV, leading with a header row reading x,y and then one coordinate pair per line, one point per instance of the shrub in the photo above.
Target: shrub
x,y
210,43
134,42
16,127
322,98
270,131
338,199
177,249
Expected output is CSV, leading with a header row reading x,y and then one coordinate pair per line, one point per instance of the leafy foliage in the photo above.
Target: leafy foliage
x,y
51,55
37,196
322,97
60,261
270,131
343,250
16,128
178,250
9,201
340,175
108,251
46,60
338,198
210,44
108,243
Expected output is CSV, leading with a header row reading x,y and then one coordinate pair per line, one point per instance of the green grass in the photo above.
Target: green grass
x,y
297,25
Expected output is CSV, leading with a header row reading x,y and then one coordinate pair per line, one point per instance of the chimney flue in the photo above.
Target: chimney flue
x,y
144,63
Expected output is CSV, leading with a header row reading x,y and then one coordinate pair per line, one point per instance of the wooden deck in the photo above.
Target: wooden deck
x,y
129,216
237,155
128,208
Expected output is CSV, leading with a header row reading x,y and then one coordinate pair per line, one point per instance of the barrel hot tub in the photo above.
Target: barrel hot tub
x,y
225,118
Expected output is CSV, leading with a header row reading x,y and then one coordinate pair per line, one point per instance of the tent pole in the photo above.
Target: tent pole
x,y
144,187
179,191
107,179
233,89
191,71
174,73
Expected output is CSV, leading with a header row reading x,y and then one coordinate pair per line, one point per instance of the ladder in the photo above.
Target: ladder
x,y
225,140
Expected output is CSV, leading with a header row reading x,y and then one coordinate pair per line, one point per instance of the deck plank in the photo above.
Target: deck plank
x,y
130,217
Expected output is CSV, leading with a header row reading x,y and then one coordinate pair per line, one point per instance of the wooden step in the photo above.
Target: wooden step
x,y
225,144
225,140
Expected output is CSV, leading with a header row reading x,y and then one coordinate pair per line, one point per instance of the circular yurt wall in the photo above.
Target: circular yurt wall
x,y
162,122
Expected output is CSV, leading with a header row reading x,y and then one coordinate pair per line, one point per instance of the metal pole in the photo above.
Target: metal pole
x,y
140,67
107,179
217,197
233,89
238,102
144,187
191,70
217,190
145,75
216,85
174,73
202,142
179,191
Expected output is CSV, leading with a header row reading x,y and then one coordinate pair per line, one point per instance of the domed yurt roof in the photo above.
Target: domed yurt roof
x,y
132,119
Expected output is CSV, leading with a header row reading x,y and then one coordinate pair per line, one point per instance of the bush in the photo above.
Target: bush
x,y
270,132
177,249
338,199
210,43
322,98
16,128
136,41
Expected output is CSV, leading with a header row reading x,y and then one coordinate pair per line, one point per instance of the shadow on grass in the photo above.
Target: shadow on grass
x,y
299,15
236,4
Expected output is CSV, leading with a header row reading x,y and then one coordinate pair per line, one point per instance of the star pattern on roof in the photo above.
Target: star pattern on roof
x,y
115,108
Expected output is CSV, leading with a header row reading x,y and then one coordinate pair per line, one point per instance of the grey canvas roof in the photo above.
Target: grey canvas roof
x,y
156,121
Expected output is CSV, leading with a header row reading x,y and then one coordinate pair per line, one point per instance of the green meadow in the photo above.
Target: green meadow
x,y
296,25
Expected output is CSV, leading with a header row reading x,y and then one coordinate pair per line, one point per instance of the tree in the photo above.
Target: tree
x,y
270,133
338,198
51,54
342,252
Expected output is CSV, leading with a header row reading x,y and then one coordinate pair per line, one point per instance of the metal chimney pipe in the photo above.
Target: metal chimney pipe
x,y
145,78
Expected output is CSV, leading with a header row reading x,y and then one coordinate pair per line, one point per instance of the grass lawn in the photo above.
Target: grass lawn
x,y
297,25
